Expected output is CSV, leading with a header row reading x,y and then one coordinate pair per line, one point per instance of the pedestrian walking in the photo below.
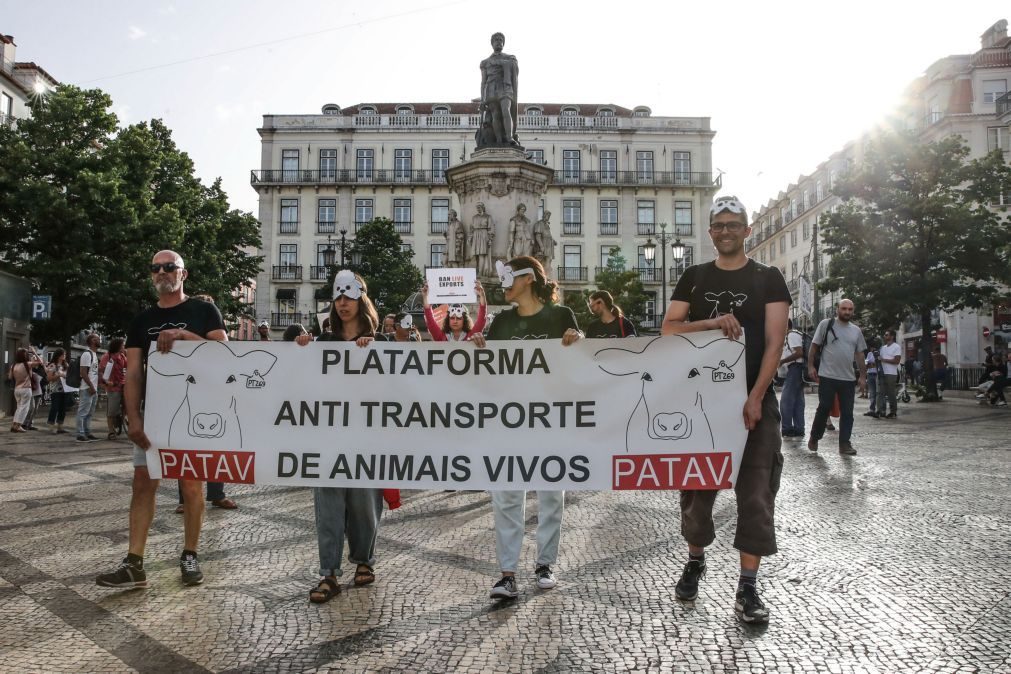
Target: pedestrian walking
x,y
610,320
791,403
536,315
21,374
112,376
839,343
761,301
88,399
1001,370
348,512
872,363
890,355
159,325
56,376
940,364
37,377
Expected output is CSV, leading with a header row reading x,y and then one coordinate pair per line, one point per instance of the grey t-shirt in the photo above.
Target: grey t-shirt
x,y
838,350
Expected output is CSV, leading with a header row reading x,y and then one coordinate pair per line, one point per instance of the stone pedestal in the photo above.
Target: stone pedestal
x,y
501,178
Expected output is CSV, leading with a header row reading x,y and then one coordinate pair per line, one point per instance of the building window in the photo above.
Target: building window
x,y
793,269
572,261
321,252
402,160
404,110
644,166
540,209
570,165
782,244
402,216
784,214
288,255
439,216
286,302
806,203
993,89
407,248
819,191
572,216
289,216
608,166
533,112
440,110
328,164
805,230
437,255
6,105
363,212
680,265
366,110
364,163
609,217
605,112
646,217
605,255
831,179
793,238
326,216
569,112
641,111
536,156
682,218
772,252
683,167
289,165
997,139
440,162
794,208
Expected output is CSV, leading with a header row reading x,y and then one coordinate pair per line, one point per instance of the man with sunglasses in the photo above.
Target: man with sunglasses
x,y
174,317
737,295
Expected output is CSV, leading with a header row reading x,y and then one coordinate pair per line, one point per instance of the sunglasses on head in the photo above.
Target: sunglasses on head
x,y
169,267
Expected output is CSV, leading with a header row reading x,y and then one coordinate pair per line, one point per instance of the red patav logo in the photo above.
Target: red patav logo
x,y
207,465
708,470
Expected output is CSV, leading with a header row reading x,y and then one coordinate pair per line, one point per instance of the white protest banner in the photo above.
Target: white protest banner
x,y
644,413
451,285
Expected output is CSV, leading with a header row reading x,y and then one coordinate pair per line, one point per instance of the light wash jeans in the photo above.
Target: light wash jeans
x,y
85,410
791,405
342,511
509,518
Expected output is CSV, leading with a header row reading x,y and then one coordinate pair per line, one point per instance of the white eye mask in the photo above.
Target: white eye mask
x,y
456,311
726,204
346,285
406,322
506,275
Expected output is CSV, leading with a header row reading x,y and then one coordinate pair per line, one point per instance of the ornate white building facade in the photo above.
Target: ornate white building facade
x,y
619,174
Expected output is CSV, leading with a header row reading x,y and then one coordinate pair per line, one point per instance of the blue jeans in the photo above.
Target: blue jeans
x,y
340,512
828,389
872,390
57,407
85,410
791,403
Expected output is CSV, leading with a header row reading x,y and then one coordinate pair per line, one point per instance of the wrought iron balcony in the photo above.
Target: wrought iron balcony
x,y
402,227
598,270
438,227
609,229
287,273
347,177
326,227
1004,104
645,229
633,178
283,320
572,275
649,274
319,272
572,228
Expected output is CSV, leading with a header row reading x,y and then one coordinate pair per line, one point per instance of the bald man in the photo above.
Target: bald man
x,y
174,317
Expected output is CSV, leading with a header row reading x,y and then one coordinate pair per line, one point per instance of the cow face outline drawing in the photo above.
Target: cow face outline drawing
x,y
650,423
725,302
203,412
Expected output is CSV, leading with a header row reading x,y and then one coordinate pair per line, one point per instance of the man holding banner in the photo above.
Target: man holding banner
x,y
739,296
174,317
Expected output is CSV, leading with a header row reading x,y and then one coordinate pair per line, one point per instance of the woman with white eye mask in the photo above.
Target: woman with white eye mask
x,y
535,316
457,326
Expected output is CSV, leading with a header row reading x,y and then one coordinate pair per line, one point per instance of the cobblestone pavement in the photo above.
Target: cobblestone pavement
x,y
893,561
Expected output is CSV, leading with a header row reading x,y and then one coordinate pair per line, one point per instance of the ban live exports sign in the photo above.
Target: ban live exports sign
x,y
643,413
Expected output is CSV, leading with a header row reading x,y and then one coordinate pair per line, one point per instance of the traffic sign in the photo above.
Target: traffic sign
x,y
986,331
42,306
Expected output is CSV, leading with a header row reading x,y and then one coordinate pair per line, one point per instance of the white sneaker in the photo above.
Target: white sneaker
x,y
545,579
505,588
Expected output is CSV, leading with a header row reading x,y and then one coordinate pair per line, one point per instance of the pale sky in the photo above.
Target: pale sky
x,y
785,83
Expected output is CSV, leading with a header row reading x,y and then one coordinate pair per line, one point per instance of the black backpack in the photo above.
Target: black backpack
x,y
817,359
73,377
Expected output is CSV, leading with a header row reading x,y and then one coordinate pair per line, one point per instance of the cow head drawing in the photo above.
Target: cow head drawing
x,y
725,302
657,422
204,412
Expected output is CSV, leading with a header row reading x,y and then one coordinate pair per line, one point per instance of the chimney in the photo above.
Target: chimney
x,y
994,35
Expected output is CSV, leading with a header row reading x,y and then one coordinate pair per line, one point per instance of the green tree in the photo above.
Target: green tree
x,y
389,271
916,233
83,207
624,285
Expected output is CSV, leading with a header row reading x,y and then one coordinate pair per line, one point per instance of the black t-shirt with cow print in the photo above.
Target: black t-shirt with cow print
x,y
742,292
621,327
551,322
195,315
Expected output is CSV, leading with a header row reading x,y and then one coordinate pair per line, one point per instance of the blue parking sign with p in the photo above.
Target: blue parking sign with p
x,y
42,306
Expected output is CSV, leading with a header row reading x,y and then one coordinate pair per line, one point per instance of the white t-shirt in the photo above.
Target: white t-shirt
x,y
794,340
889,351
90,361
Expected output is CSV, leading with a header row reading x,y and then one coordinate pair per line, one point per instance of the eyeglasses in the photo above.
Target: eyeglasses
x,y
169,267
732,227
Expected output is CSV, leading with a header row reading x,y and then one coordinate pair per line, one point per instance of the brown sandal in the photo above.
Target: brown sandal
x,y
325,591
364,575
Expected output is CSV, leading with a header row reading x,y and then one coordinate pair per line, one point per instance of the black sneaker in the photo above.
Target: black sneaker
x,y
847,449
81,438
749,606
688,587
505,588
545,579
126,577
190,567
92,438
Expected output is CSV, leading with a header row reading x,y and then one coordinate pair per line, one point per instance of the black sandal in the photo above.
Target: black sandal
x,y
325,591
364,575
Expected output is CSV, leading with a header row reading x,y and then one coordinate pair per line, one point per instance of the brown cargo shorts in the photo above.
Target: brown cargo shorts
x,y
757,484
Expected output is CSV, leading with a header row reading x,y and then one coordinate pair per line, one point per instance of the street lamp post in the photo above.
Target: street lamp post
x,y
677,252
329,253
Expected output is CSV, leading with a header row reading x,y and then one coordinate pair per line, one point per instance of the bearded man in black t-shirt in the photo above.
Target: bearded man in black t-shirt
x,y
737,295
174,317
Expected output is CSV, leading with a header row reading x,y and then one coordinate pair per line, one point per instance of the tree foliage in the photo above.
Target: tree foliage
x,y
624,285
389,271
84,205
917,232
